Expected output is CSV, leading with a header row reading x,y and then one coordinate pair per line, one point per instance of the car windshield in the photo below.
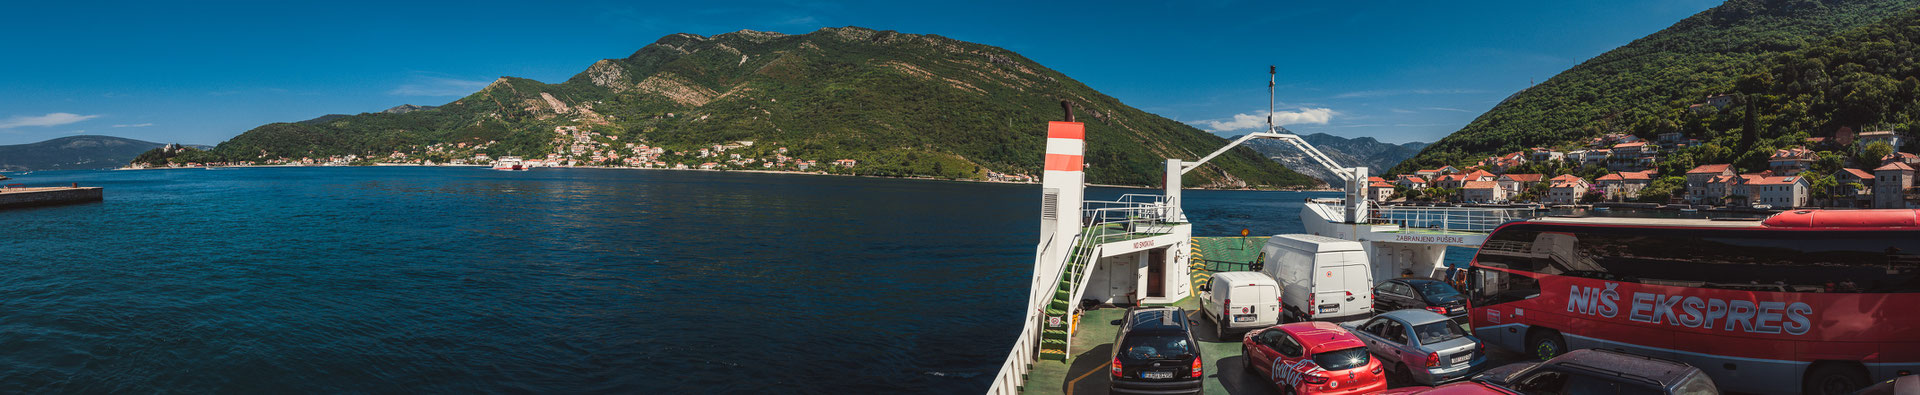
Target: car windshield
x,y
1435,332
1438,292
1343,359
1153,347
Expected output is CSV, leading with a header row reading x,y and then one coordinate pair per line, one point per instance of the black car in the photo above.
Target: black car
x,y
1420,293
1601,371
1156,353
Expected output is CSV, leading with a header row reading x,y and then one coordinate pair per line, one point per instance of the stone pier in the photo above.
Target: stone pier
x,y
28,197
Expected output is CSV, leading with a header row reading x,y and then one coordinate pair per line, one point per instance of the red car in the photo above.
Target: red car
x,y
1313,358
1460,388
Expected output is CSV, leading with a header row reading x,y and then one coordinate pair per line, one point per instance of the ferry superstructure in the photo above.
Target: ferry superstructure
x,y
1140,250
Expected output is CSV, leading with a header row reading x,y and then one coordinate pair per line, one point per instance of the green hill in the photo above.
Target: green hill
x,y
73,153
901,104
1800,66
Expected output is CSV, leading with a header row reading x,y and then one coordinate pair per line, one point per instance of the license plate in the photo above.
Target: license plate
x,y
1324,310
1460,359
1156,375
1453,310
1244,318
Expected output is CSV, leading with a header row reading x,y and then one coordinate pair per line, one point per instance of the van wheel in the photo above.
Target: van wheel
x,y
1546,344
1833,378
1220,331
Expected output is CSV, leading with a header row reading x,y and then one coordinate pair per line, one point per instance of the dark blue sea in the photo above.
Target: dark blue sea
x,y
459,280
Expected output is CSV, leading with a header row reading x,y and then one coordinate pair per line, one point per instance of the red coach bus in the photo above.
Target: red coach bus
x,y
1820,302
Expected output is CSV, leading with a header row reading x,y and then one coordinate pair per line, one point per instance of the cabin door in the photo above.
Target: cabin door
x,y
1157,273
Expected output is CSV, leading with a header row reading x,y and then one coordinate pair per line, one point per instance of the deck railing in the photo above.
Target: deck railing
x,y
1462,219
1131,215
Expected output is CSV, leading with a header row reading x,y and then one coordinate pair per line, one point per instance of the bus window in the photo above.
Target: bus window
x,y
1741,259
1491,287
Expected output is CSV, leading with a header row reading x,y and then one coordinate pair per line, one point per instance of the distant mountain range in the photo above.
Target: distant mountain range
x,y
899,104
1362,151
73,153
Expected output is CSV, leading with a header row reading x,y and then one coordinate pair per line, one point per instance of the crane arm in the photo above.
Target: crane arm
x,y
1291,139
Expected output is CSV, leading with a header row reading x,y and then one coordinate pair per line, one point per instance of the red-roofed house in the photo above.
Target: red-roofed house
x,y
1846,195
1414,182
1514,183
1483,192
1481,175
1777,191
1699,183
1622,186
1566,189
1909,159
1449,181
1791,161
1378,191
1543,155
1890,185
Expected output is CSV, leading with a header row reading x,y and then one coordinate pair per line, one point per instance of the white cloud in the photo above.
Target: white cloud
x,y
1317,116
1401,111
137,125
437,86
53,119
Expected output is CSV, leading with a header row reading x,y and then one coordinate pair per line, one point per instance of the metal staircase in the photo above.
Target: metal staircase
x,y
1058,324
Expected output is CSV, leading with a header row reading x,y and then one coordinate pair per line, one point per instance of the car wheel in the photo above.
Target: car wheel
x,y
1832,378
1546,345
1246,361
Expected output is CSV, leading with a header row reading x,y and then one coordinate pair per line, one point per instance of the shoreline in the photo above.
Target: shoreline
x,y
779,172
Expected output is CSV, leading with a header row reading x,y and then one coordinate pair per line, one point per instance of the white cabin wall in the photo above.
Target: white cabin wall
x,y
1391,259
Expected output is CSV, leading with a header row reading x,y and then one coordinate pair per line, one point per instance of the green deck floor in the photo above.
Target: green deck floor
x,y
1085,371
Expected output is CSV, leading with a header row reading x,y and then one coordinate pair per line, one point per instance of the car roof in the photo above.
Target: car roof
x,y
1158,319
1414,280
1414,316
1663,372
1320,336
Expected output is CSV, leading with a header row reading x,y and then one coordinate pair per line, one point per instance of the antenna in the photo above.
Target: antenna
x,y
1271,72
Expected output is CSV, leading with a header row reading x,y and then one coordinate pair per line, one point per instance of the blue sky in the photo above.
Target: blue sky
x,y
204,72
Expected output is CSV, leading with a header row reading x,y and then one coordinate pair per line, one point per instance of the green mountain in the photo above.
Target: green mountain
x,y
1798,66
900,104
73,153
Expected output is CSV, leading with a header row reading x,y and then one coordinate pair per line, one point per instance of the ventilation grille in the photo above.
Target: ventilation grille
x,y
1050,204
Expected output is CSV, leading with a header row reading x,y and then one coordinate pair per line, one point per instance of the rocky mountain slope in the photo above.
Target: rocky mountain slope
x,y
1362,151
900,104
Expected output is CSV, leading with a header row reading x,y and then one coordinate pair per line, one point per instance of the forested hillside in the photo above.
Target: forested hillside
x,y
1799,67
899,104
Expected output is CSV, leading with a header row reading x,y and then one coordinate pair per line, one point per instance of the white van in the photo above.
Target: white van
x,y
1240,301
1321,278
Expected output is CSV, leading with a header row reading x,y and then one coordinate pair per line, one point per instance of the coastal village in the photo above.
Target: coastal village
x,y
578,147
1631,166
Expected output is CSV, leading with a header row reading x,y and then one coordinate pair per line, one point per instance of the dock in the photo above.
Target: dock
x,y
48,196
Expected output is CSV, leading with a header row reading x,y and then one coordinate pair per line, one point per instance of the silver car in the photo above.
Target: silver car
x,y
1422,345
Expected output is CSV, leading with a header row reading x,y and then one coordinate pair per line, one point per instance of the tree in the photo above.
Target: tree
x,y
1871,155
1821,187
